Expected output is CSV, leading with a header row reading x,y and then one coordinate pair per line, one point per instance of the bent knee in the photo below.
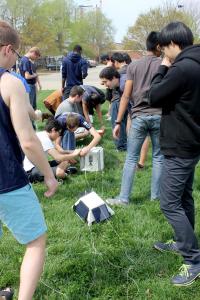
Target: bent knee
x,y
60,173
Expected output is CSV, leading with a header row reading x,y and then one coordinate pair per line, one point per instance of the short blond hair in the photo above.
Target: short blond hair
x,y
35,50
72,121
8,35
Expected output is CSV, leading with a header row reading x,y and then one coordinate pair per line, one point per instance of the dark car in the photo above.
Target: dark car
x,y
54,64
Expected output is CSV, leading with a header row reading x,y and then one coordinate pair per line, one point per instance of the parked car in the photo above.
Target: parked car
x,y
91,63
54,63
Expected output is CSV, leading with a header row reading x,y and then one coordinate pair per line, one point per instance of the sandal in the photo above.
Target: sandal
x,y
6,294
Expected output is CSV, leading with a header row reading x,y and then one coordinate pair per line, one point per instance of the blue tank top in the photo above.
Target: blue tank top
x,y
12,174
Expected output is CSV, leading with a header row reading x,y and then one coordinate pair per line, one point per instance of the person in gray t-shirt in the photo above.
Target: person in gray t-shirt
x,y
73,103
144,120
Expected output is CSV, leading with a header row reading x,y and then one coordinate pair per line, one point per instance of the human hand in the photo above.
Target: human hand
x,y
38,114
84,151
52,185
166,62
101,131
116,131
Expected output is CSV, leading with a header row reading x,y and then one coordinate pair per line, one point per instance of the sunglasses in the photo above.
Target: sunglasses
x,y
13,50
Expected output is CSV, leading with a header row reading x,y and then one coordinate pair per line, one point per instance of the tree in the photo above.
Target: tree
x,y
155,20
48,27
53,26
15,11
93,31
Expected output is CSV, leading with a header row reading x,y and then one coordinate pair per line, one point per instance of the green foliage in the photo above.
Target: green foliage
x,y
113,260
55,25
94,32
155,20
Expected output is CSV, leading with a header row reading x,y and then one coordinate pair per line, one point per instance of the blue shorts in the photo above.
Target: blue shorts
x,y
21,212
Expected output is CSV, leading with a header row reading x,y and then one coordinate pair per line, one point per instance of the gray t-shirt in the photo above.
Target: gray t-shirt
x,y
67,106
141,73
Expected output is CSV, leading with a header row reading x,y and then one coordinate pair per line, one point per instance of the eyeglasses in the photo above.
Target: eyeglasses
x,y
13,50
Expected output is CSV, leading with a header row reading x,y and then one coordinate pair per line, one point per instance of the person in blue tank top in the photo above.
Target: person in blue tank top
x,y
19,207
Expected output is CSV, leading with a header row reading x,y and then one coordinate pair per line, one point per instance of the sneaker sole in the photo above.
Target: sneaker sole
x,y
166,251
117,204
188,283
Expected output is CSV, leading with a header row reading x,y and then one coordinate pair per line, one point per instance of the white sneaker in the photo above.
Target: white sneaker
x,y
115,201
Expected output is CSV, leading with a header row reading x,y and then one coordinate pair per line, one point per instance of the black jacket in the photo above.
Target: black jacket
x,y
177,91
74,69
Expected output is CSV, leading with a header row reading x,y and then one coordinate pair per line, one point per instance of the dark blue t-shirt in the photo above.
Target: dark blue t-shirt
x,y
82,122
26,66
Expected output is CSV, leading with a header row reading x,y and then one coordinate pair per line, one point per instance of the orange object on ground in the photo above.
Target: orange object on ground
x,y
53,101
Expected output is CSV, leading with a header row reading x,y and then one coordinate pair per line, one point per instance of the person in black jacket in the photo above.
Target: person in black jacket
x,y
176,88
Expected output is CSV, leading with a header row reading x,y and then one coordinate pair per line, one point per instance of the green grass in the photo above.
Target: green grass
x,y
112,260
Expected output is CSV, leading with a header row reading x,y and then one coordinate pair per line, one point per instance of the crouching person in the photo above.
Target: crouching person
x,y
69,123
61,161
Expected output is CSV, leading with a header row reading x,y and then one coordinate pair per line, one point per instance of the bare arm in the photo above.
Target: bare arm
x,y
63,157
123,106
93,143
30,76
59,148
85,111
14,95
99,114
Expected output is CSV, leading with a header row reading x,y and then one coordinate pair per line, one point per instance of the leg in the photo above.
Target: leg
x,y
113,114
35,175
61,169
66,93
144,151
175,175
128,125
137,135
31,268
21,212
122,141
188,201
157,157
32,96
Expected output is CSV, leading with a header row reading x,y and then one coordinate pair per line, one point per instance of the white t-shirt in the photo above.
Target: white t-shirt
x,y
47,144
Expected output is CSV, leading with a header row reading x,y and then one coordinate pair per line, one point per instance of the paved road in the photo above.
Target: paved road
x,y
52,81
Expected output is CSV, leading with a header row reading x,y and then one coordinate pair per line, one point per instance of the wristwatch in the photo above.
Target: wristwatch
x,y
117,123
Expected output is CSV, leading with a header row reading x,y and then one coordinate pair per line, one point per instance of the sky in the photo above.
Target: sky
x,y
123,13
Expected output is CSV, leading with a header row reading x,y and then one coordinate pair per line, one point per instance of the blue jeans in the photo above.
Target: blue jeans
x,y
32,96
121,143
141,126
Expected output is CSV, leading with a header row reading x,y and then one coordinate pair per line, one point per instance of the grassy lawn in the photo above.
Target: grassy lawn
x,y
112,260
